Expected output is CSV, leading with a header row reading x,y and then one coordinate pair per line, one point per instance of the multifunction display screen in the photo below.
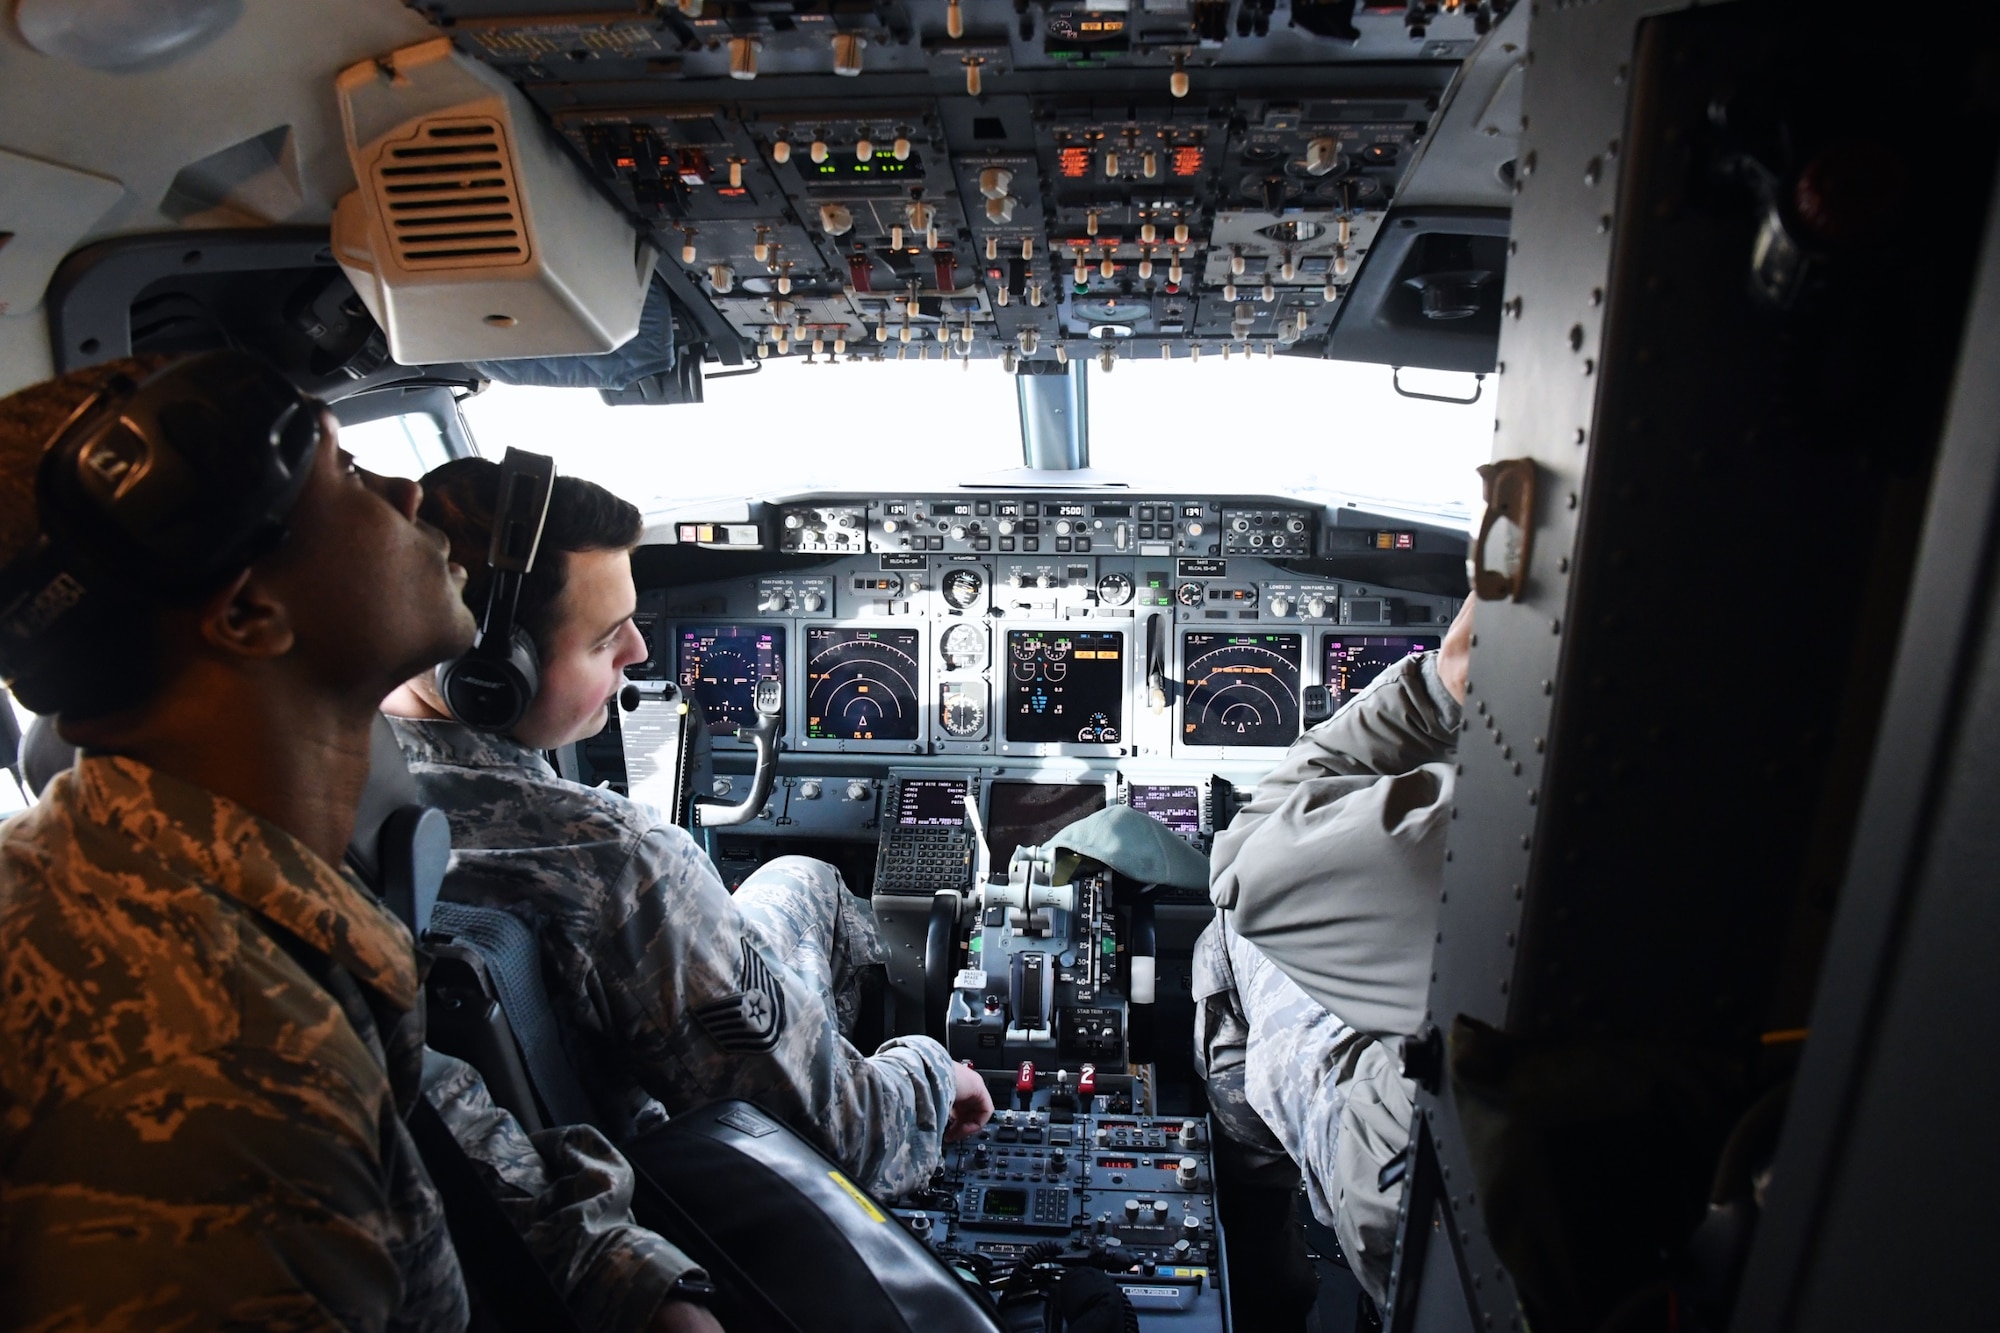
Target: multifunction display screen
x,y
931,803
1177,807
1353,660
1028,814
720,666
1066,686
1242,689
861,684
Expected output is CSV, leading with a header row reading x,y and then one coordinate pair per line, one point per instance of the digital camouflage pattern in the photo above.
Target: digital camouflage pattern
x,y
1304,1094
1328,883
208,1039
569,1193
675,990
195,1129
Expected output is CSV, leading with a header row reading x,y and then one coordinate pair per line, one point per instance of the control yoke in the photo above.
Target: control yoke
x,y
769,702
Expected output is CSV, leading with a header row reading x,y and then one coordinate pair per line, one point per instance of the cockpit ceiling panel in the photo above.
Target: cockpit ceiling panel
x,y
980,180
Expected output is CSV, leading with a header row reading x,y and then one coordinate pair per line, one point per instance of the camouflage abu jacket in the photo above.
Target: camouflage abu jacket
x,y
649,948
208,1038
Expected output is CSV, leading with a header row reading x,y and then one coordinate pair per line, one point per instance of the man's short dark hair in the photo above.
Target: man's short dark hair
x,y
29,418
583,516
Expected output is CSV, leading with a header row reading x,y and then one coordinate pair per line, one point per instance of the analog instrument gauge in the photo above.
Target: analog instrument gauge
x,y
961,587
1114,589
963,711
963,647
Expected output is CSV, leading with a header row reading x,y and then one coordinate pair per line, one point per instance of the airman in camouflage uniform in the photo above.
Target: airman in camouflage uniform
x,y
209,1036
208,1042
1317,966
678,991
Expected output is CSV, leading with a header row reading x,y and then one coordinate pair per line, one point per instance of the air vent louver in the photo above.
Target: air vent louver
x,y
449,197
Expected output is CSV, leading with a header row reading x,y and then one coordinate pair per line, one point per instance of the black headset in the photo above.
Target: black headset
x,y
150,492
492,685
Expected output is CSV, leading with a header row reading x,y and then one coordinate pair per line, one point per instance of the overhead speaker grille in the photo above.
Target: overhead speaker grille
x,y
449,196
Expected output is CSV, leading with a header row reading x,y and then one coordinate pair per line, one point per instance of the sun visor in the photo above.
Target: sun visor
x,y
473,235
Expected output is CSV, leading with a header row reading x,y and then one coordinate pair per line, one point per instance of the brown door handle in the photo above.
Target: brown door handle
x,y
1510,494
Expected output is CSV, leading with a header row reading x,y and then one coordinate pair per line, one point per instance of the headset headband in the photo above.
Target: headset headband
x,y
492,686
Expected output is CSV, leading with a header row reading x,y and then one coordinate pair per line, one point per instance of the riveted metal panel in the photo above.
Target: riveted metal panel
x,y
1657,793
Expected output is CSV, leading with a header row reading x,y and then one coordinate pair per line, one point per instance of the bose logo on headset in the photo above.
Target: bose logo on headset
x,y
493,684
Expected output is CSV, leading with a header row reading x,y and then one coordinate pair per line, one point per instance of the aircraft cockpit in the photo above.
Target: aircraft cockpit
x,y
1019,401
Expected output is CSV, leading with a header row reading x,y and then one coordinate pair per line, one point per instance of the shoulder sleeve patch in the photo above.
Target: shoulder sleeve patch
x,y
752,1019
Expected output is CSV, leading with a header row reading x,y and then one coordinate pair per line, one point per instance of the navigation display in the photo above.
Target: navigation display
x,y
1066,686
1352,660
1242,689
1177,807
720,666
861,684
931,803
1028,814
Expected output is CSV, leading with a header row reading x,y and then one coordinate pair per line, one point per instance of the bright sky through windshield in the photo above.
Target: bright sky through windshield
x,y
1246,424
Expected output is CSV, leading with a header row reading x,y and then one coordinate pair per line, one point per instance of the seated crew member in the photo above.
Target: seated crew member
x,y
209,1034
679,992
1318,963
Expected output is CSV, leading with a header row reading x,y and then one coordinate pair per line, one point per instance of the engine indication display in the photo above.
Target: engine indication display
x,y
1242,689
862,684
1066,686
1353,660
720,666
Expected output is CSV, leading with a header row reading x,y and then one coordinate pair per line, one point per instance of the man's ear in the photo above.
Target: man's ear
x,y
245,618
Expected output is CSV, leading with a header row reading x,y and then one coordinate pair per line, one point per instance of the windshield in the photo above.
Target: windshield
x,y
1246,425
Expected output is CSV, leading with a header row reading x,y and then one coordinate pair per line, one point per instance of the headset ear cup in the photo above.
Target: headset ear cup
x,y
492,691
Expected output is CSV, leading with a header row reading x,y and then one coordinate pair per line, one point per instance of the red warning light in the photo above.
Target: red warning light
x,y
1074,163
1187,161
624,163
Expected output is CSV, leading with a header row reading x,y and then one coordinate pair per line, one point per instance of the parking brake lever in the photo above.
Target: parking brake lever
x,y
768,699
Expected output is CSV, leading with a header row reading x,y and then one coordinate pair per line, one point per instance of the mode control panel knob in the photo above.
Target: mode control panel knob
x,y
1131,1210
958,532
890,525
857,791
1190,1223
1184,1173
1190,1133
809,790
1195,529
795,520
1006,527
